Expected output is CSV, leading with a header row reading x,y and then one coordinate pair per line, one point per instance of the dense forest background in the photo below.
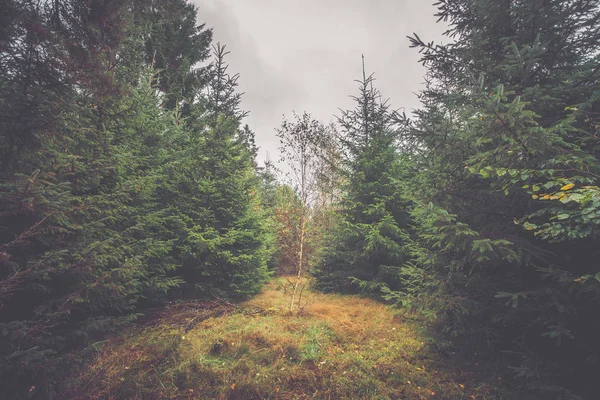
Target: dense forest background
x,y
128,179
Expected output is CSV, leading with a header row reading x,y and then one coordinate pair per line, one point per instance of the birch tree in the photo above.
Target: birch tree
x,y
300,142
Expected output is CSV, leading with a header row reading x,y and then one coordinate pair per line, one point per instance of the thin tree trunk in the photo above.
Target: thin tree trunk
x,y
300,258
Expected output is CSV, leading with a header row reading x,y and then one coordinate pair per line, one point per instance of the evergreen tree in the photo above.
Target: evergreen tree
x,y
57,206
369,241
75,259
268,188
212,192
110,195
222,96
174,45
507,157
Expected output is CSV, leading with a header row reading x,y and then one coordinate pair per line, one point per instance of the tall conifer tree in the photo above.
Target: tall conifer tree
x,y
369,241
509,160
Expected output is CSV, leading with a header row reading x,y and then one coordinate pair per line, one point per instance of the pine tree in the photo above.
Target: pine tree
x,y
83,238
505,147
268,188
368,246
222,96
55,201
174,46
212,191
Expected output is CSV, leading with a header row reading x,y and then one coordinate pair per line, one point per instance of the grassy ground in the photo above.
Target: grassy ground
x,y
338,347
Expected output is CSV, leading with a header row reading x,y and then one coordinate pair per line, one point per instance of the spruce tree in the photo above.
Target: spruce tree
x,y
174,45
507,157
212,192
369,240
83,242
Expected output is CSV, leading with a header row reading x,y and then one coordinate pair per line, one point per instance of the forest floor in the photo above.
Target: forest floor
x,y
337,347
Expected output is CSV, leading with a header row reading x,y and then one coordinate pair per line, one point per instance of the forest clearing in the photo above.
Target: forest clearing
x,y
337,347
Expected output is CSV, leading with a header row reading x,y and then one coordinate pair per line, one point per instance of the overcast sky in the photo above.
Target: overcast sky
x,y
304,55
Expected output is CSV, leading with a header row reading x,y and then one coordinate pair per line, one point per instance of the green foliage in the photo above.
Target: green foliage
x,y
505,149
127,178
173,45
367,246
287,210
113,197
216,220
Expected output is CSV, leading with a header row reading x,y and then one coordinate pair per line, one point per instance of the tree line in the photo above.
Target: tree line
x,y
127,177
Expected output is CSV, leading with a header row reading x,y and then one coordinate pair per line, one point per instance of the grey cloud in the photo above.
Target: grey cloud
x,y
304,55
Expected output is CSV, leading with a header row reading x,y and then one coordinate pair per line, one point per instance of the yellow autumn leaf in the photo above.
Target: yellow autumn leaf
x,y
546,196
535,196
567,187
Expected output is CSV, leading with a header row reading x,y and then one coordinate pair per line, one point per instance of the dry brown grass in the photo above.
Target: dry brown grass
x,y
338,347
